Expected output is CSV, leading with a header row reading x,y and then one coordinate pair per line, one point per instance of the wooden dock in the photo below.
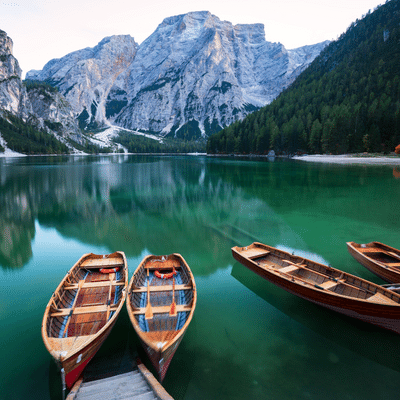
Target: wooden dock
x,y
130,379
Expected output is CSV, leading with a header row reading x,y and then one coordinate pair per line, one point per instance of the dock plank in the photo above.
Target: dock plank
x,y
130,380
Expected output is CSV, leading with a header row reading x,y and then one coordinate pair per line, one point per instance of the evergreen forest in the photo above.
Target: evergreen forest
x,y
142,144
25,138
346,101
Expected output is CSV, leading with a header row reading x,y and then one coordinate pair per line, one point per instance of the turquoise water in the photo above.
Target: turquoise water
x,y
248,339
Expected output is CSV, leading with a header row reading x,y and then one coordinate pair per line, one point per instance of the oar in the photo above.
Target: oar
x,y
172,310
149,312
394,255
394,287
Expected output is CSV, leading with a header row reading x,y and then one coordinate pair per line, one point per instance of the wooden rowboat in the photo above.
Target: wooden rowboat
x,y
382,260
82,311
161,301
323,285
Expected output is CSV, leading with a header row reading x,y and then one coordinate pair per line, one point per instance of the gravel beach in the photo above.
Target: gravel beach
x,y
350,159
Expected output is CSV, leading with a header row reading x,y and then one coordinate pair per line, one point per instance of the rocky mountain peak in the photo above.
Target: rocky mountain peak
x,y
86,76
192,76
6,44
40,106
12,94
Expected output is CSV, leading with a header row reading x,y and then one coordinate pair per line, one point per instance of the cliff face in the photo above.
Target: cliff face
x,y
195,69
13,97
85,77
192,76
52,112
40,105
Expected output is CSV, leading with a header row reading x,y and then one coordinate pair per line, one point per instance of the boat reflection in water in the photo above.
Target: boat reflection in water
x,y
376,344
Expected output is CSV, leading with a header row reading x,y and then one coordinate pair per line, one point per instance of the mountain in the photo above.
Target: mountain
x,y
51,110
13,97
85,77
347,100
194,75
32,116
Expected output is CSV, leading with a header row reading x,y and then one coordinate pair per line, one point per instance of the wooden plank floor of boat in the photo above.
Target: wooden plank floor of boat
x,y
91,307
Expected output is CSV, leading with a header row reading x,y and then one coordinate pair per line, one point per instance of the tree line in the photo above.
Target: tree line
x,y
347,101
26,139
141,144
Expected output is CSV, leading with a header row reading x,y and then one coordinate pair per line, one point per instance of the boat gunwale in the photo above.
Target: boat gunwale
x,y
382,247
314,289
142,335
389,273
49,341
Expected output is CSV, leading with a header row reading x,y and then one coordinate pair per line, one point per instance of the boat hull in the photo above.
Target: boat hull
x,y
83,310
161,359
158,281
382,315
384,272
74,366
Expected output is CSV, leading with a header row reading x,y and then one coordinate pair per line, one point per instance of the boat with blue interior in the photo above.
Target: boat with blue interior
x,y
161,301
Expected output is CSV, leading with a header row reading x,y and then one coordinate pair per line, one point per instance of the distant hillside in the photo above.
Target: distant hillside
x,y
348,100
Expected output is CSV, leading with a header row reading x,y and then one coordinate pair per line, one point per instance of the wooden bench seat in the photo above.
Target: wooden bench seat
x,y
160,267
62,312
369,249
162,309
93,285
328,284
259,255
102,263
289,269
165,288
381,298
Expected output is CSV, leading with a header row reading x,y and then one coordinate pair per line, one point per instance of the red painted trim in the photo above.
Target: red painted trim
x,y
109,270
73,376
158,274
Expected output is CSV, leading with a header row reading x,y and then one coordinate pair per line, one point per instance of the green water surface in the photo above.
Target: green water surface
x,y
248,339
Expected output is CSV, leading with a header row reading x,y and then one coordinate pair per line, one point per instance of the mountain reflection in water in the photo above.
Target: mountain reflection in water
x,y
162,204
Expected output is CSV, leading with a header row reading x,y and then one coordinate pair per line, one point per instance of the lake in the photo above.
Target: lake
x,y
248,339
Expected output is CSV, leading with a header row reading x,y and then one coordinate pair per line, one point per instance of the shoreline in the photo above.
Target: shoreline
x,y
12,154
319,158
350,159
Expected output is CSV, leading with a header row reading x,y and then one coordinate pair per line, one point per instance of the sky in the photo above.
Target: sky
x,y
45,29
